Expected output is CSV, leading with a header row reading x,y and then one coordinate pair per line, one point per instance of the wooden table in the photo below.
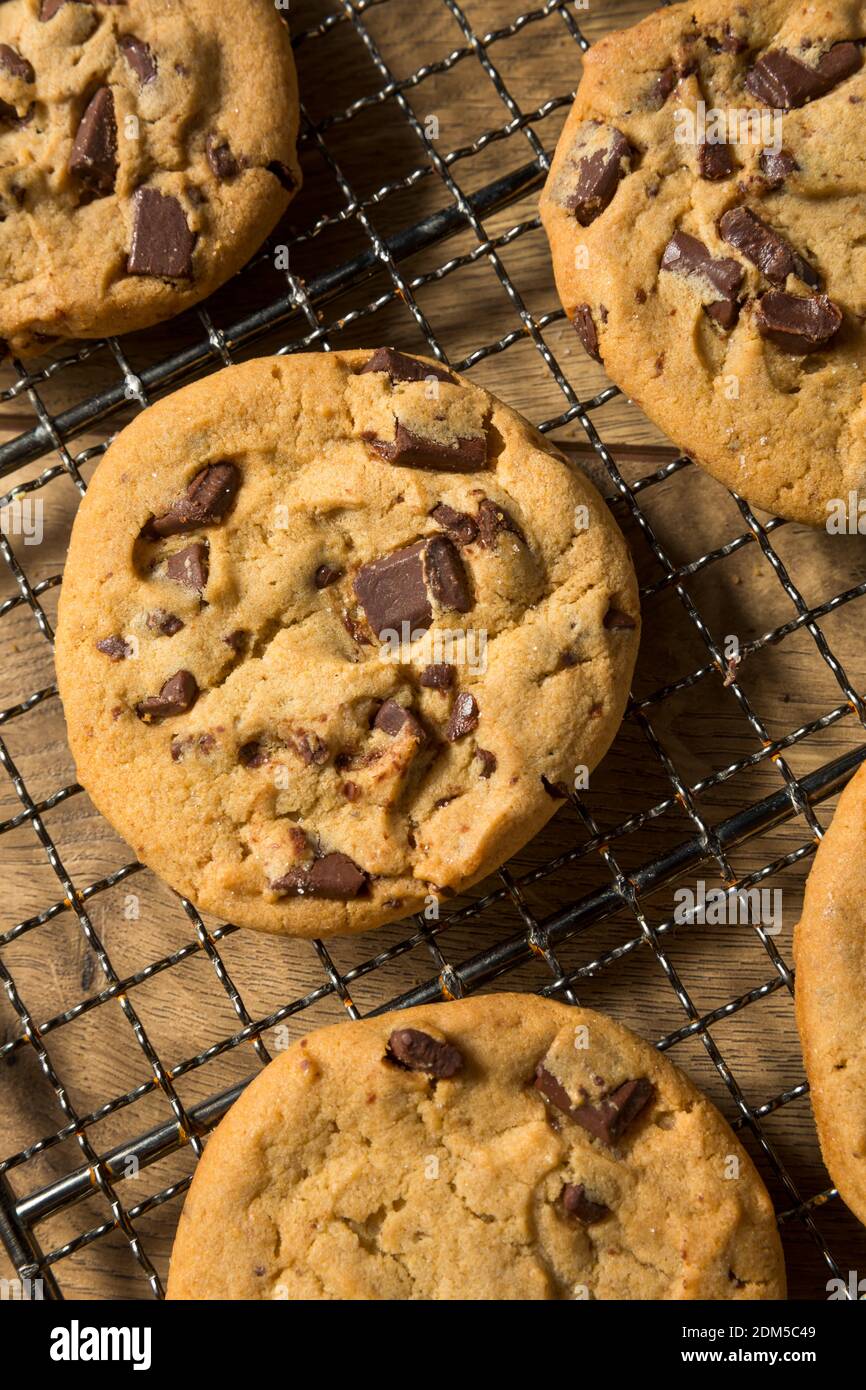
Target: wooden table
x,y
184,1009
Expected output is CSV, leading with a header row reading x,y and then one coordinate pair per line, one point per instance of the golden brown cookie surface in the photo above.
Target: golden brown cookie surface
x,y
334,629
504,1147
146,151
705,211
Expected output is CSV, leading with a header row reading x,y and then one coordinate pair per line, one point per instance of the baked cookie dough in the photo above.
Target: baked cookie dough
x,y
504,1147
335,631
830,952
706,211
147,148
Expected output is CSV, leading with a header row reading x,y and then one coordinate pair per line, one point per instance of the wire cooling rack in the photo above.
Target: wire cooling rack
x,y
372,284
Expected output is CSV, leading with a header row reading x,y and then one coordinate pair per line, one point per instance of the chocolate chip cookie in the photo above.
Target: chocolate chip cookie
x,y
337,633
830,951
147,149
706,216
504,1147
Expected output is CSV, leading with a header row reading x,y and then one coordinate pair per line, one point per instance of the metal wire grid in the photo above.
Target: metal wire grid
x,y
302,307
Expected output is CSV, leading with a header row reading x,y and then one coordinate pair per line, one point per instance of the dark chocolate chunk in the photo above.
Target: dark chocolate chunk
x,y
402,368
780,80
11,61
178,695
488,762
417,1051
555,790
392,718
715,161
611,1117
493,520
663,86
598,177
94,150
221,159
310,748
615,618
189,567
205,502
464,717
459,525
797,325
49,8
776,165
410,450
584,327
253,754
164,624
326,575
283,174
162,242
686,255
767,249
438,676
576,1203
237,640
446,575
334,876
140,57
392,591
115,648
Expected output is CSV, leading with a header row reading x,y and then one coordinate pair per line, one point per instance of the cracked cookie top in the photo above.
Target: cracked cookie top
x,y
147,148
505,1147
336,631
706,215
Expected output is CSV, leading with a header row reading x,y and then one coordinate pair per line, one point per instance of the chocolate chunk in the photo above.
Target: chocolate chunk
x,y
189,567
797,325
459,525
351,791
335,876
584,327
439,676
493,520
49,8
283,174
205,502
446,575
778,79
178,695
715,161
767,249
392,591
417,1051
11,61
140,57
488,762
776,165
615,618
611,1117
576,1203
464,717
686,255
326,575
392,718
410,450
402,368
598,177
221,159
162,242
237,640
114,648
164,624
94,150
253,754
663,86
555,790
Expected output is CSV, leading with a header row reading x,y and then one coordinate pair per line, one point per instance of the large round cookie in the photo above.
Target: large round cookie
x,y
504,1147
723,285
147,148
830,950
240,701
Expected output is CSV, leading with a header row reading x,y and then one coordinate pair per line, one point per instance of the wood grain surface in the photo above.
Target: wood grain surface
x,y
220,981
